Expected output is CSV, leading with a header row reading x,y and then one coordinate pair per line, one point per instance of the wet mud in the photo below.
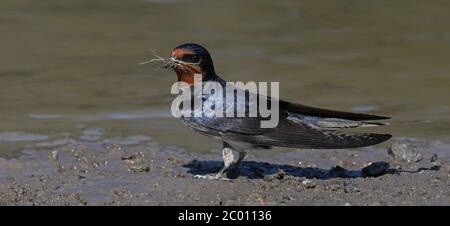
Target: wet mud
x,y
98,173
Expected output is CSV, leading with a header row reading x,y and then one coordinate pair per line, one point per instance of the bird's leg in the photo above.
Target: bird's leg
x,y
234,171
242,155
228,157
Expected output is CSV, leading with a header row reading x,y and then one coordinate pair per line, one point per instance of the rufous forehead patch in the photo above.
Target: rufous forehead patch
x,y
178,53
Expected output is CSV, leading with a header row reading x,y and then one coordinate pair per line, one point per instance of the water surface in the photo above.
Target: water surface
x,y
69,69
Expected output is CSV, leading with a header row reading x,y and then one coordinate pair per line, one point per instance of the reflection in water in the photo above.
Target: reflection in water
x,y
9,137
106,116
68,66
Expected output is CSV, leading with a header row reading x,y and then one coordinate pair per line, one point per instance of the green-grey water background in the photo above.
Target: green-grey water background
x,y
70,69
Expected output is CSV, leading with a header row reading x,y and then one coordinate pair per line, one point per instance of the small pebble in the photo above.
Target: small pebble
x,y
405,151
376,169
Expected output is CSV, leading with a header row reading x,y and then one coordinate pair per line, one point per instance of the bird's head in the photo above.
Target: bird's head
x,y
190,59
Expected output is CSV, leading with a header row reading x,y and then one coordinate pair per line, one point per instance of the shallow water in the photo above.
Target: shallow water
x,y
69,70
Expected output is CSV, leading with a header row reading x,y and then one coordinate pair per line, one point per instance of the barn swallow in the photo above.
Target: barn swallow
x,y
299,126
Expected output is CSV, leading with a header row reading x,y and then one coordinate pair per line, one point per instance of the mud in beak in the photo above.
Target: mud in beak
x,y
171,62
174,63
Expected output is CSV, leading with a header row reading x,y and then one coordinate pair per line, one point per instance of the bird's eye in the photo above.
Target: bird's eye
x,y
190,58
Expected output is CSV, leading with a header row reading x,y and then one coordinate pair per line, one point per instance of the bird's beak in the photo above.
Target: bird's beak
x,y
171,62
174,63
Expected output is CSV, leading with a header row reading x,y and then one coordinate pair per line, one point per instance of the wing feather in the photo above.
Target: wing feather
x,y
326,113
289,133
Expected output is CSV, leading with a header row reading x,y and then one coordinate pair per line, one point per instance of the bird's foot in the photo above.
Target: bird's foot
x,y
211,177
228,157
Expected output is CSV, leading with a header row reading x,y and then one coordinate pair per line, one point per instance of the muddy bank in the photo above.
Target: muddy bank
x,y
149,174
